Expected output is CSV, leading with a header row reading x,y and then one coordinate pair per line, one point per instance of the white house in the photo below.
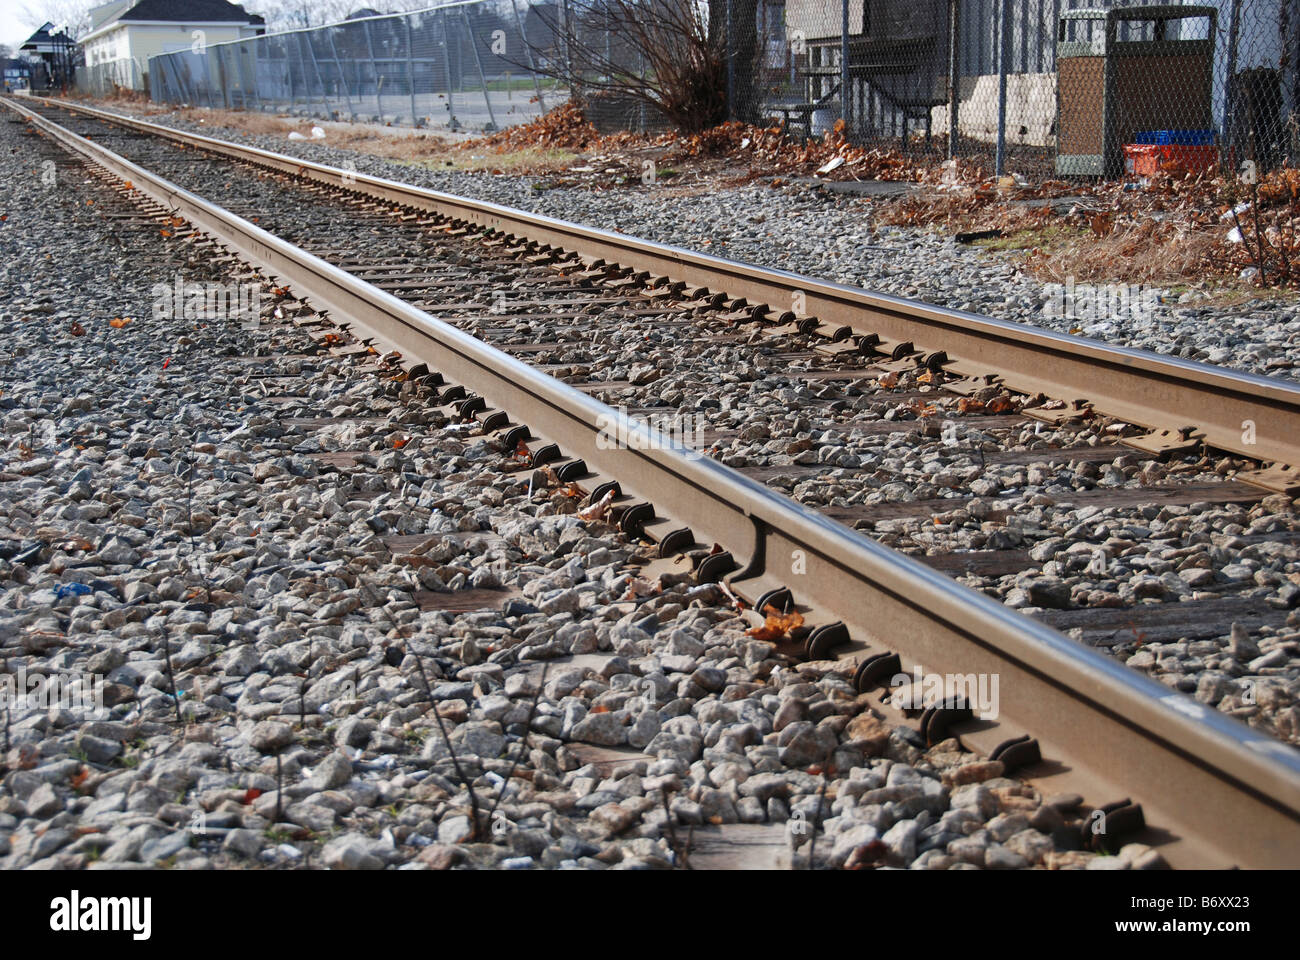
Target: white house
x,y
124,34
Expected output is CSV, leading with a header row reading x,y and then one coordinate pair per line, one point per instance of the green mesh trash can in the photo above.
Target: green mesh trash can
x,y
1127,70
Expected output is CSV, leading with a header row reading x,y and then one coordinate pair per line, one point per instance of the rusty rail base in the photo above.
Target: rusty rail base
x,y
1220,793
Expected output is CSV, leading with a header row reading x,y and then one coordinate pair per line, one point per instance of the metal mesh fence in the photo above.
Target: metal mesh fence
x,y
1070,88
107,79
462,65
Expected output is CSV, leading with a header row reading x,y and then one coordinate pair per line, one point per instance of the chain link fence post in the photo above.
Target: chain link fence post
x,y
343,80
1004,55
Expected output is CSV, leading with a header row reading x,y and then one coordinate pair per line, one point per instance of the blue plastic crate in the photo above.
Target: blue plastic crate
x,y
1184,138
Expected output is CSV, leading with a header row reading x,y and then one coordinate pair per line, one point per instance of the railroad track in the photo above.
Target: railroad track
x,y
1099,728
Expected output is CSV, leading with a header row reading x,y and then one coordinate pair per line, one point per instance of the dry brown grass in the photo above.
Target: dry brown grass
x,y
124,101
1055,246
400,145
1132,254
250,122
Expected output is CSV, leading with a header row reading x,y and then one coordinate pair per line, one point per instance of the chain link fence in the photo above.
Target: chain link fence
x,y
1039,88
457,66
111,78
1068,88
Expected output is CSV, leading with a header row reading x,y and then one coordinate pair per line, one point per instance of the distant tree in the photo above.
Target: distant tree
x,y
72,15
296,14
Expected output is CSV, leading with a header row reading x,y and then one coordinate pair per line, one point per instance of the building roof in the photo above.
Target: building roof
x,y
176,11
191,11
43,41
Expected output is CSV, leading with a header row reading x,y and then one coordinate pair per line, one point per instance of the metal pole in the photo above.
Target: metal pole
x,y
357,79
227,82
954,75
173,78
168,68
1004,43
478,60
1290,19
446,50
528,49
731,67
410,70
334,52
846,99
568,49
304,39
190,92
1231,119
207,76
288,66
252,69
374,67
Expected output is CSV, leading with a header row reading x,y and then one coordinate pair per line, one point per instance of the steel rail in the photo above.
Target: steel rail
x,y
1249,415
1219,793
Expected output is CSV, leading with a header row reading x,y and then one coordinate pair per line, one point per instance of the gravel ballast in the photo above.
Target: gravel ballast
x,y
1112,572
830,236
177,519
297,626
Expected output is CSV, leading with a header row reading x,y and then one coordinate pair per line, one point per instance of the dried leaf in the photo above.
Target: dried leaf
x,y
597,511
119,322
777,624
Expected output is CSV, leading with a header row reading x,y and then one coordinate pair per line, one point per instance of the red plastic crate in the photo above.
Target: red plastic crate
x,y
1149,159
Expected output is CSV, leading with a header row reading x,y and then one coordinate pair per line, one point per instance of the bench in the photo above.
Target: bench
x,y
802,109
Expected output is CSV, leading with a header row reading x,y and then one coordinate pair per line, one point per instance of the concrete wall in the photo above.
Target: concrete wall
x,y
1031,107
